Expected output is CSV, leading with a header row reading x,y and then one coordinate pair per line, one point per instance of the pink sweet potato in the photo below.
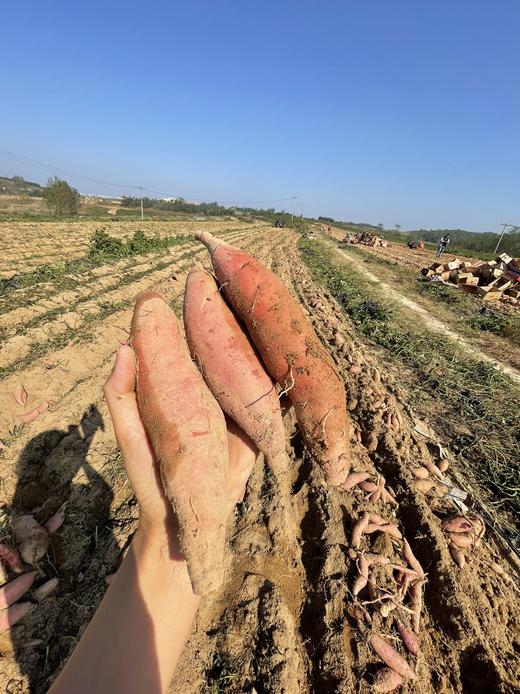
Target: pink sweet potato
x,y
409,639
416,602
421,473
458,556
291,351
391,657
358,530
45,589
55,522
362,577
412,560
32,539
353,479
387,680
230,366
36,412
187,431
443,464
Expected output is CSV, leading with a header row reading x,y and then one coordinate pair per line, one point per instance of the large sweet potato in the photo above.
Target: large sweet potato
x,y
291,351
230,366
187,431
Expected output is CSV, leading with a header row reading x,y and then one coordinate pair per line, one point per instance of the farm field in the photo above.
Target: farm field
x,y
25,245
283,621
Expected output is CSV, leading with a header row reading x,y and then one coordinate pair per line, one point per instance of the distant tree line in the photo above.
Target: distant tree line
x,y
348,225
209,209
485,241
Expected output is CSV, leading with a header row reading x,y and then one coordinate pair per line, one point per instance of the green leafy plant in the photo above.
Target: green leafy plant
x,y
60,197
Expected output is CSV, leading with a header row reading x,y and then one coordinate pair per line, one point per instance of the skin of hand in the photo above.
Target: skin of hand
x,y
142,624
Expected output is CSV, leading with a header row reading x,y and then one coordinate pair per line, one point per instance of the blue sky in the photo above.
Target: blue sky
x,y
402,112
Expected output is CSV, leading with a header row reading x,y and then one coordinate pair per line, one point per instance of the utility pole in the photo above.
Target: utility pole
x,y
141,196
505,226
295,199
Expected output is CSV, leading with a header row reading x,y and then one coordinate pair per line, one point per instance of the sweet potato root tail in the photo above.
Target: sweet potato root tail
x,y
211,242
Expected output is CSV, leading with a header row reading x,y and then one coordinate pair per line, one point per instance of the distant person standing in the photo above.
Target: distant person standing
x,y
443,243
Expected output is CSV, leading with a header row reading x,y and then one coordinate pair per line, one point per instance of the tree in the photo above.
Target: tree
x,y
60,197
380,225
398,228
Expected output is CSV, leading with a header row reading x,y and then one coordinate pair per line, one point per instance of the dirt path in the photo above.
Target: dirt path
x,y
433,323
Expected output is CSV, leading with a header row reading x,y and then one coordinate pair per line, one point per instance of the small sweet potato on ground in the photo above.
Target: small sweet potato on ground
x,y
387,680
391,657
32,539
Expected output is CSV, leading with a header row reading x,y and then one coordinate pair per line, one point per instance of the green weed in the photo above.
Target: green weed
x,y
221,674
103,249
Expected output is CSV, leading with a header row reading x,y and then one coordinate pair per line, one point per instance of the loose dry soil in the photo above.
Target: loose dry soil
x,y
281,622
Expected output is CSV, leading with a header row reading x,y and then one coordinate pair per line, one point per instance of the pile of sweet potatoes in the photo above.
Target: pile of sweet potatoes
x,y
239,356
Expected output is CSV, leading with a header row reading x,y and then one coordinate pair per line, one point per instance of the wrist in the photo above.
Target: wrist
x,y
157,543
161,568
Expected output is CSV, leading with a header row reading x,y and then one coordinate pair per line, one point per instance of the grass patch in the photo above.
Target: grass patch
x,y
469,402
221,674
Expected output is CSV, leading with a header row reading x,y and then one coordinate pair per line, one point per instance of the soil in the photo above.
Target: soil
x,y
282,621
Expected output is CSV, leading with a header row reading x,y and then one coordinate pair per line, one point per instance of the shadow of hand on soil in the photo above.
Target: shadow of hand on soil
x,y
53,469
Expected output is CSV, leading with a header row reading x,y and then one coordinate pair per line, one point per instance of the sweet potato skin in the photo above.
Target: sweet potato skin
x,y
390,656
187,431
291,351
230,366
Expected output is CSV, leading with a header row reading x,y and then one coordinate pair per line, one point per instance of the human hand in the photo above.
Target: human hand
x,y
33,542
12,611
157,520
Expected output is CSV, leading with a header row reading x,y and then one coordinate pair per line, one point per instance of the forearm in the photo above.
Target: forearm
x,y
140,628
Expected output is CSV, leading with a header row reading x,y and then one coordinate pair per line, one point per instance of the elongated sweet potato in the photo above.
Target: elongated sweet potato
x,y
230,366
409,638
391,657
291,351
187,431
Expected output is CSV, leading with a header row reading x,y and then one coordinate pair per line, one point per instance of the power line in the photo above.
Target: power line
x,y
35,163
56,169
